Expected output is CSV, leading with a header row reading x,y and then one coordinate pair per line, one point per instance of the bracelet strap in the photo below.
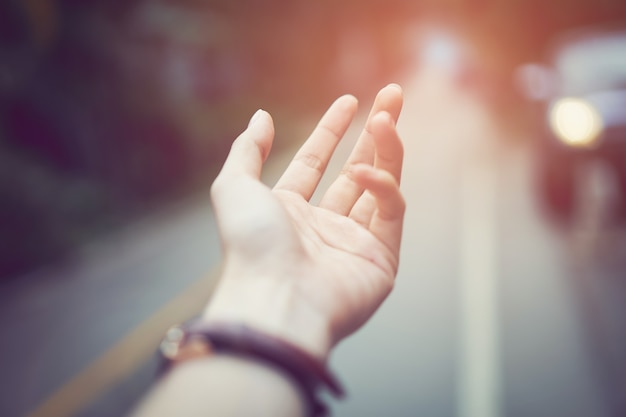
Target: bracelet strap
x,y
308,372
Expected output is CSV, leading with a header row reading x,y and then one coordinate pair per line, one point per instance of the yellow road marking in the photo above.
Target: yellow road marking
x,y
125,356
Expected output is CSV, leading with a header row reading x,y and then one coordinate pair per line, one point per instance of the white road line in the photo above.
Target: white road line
x,y
479,385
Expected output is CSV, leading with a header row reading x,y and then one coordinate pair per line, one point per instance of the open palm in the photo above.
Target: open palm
x,y
324,268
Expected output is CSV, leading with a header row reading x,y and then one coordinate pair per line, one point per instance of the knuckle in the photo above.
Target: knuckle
x,y
329,130
346,171
392,152
311,161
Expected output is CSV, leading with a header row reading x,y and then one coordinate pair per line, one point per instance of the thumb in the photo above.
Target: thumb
x,y
251,148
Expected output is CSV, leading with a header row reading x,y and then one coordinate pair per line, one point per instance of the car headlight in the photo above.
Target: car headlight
x,y
576,122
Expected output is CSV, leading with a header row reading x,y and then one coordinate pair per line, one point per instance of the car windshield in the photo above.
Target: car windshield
x,y
593,63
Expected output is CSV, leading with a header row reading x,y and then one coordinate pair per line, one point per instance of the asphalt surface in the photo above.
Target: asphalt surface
x,y
485,320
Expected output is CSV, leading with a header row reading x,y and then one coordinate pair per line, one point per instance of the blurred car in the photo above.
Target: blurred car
x,y
580,98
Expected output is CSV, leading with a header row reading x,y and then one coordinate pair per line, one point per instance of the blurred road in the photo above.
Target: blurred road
x,y
484,320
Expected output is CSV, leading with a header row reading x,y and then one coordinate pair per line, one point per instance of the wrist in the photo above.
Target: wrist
x,y
198,338
271,306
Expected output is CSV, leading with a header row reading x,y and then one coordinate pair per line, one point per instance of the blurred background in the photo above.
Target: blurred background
x,y
116,115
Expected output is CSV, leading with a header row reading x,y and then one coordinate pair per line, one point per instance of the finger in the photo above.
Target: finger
x,y
389,155
251,148
388,99
389,149
308,165
237,193
344,192
386,223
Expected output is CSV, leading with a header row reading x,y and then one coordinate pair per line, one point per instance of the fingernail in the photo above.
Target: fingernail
x,y
255,117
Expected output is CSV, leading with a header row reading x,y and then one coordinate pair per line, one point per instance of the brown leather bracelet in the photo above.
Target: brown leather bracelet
x,y
198,338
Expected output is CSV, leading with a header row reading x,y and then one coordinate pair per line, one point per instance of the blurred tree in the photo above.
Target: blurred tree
x,y
118,107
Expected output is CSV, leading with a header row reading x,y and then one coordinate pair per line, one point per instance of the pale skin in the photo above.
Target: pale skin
x,y
309,274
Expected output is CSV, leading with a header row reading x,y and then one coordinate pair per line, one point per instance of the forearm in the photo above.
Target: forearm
x,y
223,385
297,277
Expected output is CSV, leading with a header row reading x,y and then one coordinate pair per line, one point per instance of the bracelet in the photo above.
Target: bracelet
x,y
198,338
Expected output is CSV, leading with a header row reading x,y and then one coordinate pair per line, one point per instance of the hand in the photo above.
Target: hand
x,y
311,274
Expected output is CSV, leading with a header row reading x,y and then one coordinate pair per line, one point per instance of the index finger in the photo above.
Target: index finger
x,y
308,165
